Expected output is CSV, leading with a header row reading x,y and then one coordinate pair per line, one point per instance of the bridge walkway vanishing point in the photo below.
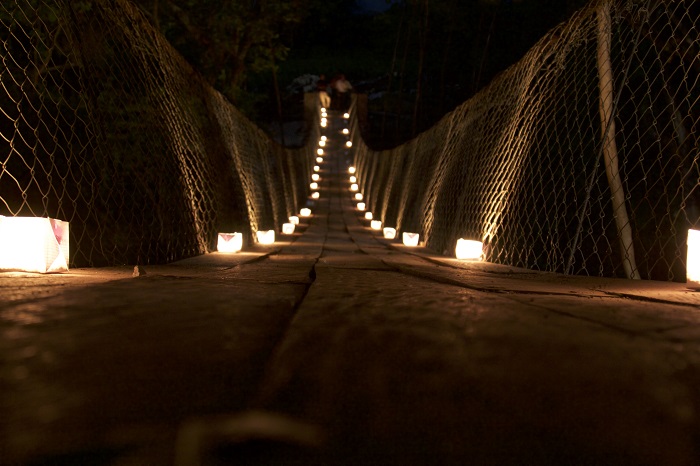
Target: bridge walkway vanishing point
x,y
339,347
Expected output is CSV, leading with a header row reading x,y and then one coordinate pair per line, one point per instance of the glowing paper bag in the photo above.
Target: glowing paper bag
x,y
229,242
34,244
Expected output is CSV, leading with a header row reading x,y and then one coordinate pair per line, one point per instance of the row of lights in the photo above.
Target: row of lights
x,y
288,228
320,152
466,249
233,242
39,244
408,238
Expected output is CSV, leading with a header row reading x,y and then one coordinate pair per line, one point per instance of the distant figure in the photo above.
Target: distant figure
x,y
322,88
341,92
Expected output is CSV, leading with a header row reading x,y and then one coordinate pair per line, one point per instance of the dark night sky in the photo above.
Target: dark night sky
x,y
468,43
373,5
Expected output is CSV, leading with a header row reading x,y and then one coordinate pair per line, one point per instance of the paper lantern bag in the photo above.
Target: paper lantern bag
x,y
34,244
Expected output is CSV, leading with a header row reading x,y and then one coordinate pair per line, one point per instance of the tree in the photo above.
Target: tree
x,y
227,41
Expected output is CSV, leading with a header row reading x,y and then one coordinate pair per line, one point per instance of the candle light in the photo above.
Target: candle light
x,y
692,265
229,242
468,249
265,237
410,239
34,244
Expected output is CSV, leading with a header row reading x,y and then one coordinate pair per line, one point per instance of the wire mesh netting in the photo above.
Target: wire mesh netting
x,y
103,124
582,158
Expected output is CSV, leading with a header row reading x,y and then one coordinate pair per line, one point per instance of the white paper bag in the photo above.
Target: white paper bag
x,y
34,244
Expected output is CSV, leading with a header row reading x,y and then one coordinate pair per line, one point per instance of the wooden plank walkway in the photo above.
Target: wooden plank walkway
x,y
338,347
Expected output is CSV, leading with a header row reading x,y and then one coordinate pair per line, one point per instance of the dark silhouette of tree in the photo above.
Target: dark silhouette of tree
x,y
226,41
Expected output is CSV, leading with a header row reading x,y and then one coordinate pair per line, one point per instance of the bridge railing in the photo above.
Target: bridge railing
x,y
582,158
103,124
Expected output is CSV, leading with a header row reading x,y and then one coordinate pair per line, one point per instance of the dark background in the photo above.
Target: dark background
x,y
415,59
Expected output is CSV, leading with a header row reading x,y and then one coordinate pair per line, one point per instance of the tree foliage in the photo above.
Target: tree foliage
x,y
227,41
436,52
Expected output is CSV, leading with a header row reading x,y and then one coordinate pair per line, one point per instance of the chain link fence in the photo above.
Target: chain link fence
x,y
582,158
103,124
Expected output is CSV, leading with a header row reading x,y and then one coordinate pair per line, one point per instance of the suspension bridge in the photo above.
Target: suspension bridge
x,y
571,339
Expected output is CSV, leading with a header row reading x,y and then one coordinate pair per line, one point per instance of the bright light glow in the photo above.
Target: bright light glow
x,y
287,228
346,115
361,206
34,244
353,179
313,185
294,220
692,265
229,242
389,233
324,114
368,215
323,120
315,195
305,212
322,143
354,187
323,138
315,177
346,131
468,249
358,196
317,168
410,239
351,170
348,144
265,237
319,152
323,124
319,159
376,224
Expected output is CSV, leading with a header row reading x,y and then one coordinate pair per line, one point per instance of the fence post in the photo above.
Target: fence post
x,y
607,120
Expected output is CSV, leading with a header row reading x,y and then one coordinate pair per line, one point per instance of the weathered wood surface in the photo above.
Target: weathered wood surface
x,y
338,347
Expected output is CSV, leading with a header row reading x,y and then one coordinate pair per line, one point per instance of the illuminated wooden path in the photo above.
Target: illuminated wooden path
x,y
335,346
